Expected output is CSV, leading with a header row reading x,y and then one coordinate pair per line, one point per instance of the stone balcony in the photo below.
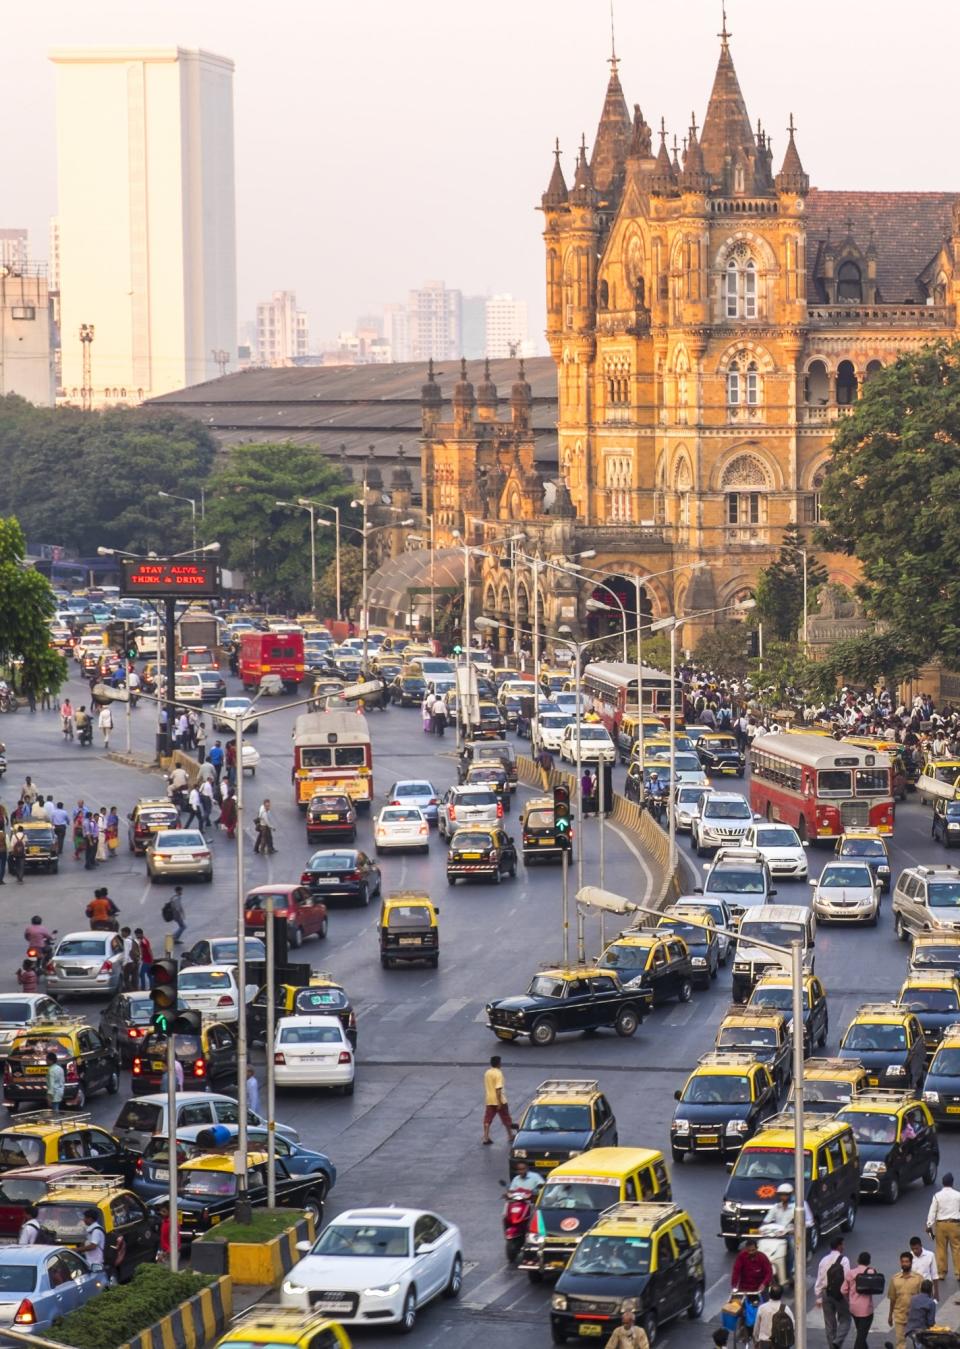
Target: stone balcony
x,y
880,315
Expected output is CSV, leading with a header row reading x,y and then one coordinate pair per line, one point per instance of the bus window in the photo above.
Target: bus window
x,y
312,756
349,756
834,782
873,782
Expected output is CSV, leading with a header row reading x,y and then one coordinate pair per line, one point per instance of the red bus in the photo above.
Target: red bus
x,y
610,687
821,786
272,653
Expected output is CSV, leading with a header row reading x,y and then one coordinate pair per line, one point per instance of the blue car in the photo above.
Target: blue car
x,y
416,792
152,1176
39,1283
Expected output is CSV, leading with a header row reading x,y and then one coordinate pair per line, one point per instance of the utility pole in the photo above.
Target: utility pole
x,y
86,342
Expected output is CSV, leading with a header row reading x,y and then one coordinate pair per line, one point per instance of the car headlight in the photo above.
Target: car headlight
x,y
681,1126
383,1290
519,1152
875,1169
698,960
931,1097
730,1207
558,1302
883,871
896,1069
290,1287
737,1126
536,1238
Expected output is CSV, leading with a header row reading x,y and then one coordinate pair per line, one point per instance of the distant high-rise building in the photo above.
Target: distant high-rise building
x,y
13,249
434,322
506,327
473,327
396,331
26,334
53,267
146,219
283,334
370,323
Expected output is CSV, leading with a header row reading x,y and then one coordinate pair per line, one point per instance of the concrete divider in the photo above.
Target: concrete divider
x,y
192,1325
266,1262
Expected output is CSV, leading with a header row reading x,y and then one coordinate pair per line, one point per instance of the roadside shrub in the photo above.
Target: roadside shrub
x,y
118,1313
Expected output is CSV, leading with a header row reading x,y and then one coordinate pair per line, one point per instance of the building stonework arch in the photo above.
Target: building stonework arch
x,y
742,244
682,477
746,350
748,467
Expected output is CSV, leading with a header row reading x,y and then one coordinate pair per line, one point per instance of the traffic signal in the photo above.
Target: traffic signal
x,y
163,993
188,1022
131,652
458,650
561,813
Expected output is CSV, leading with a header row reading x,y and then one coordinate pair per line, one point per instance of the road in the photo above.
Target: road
x,y
411,1133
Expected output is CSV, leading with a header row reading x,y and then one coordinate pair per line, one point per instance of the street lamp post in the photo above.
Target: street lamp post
x,y
324,506
307,506
174,496
803,554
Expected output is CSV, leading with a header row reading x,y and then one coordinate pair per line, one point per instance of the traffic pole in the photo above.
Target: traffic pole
x,y
799,1196
244,1212
271,1063
565,868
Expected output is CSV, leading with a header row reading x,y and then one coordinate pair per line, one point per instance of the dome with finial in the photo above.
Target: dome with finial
x,y
556,193
562,506
520,391
400,479
791,177
430,395
487,396
463,390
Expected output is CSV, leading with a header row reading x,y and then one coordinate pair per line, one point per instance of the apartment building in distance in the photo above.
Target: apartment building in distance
x,y
433,323
283,333
506,328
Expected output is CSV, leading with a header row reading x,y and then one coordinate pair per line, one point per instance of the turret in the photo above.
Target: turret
x,y
791,177
463,403
487,398
520,400
431,402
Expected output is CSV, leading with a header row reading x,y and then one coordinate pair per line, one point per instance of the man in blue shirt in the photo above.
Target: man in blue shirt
x,y
60,819
215,756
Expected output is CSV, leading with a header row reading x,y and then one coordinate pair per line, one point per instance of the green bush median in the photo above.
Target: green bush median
x,y
264,1225
117,1314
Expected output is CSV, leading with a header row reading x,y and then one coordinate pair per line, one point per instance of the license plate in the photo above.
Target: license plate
x,y
587,1328
409,941
953,1109
34,852
34,1069
161,1173
325,1305
71,972
470,856
709,1138
328,878
329,817
874,1081
157,1066
545,842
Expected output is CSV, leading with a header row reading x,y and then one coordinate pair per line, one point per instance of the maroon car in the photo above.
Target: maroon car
x,y
306,915
331,815
29,1185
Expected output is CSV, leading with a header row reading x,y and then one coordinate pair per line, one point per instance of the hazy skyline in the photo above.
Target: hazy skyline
x,y
381,144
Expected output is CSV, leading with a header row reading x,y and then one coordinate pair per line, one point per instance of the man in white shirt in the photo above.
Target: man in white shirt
x,y
95,1238
525,1179
30,1231
943,1222
828,1291
766,1312
924,1263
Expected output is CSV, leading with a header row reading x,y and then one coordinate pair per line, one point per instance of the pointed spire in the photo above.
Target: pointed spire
x,y
463,396
791,177
726,127
664,179
556,193
694,177
583,191
676,154
430,395
611,144
487,397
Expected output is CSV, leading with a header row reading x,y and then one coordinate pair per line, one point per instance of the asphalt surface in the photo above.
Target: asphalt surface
x,y
411,1133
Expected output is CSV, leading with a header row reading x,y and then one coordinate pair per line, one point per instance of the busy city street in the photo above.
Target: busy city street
x,y
410,1134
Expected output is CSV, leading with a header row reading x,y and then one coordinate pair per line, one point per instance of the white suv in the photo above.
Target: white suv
x,y
721,820
595,744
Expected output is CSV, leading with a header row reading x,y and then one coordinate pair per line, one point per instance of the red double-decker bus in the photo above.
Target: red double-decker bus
x,y
821,786
272,653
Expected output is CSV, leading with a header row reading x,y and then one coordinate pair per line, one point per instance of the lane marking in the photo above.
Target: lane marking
x,y
449,1009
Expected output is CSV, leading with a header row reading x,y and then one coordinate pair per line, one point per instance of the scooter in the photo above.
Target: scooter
x,y
518,1205
772,1243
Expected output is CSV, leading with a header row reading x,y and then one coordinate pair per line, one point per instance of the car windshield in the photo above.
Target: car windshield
x,y
778,934
399,814
688,796
16,1189
545,986
595,1193
414,789
691,934
772,1164
836,877
827,1092
616,1256
408,915
219,1184
18,1278
756,1037
470,841
20,1150
862,847
140,1117
593,733
185,1047
687,763
333,861
777,838
192,979
182,838
224,952
310,1035
946,1062
557,1119
628,960
369,1240
554,721
930,999
870,1127
943,894
780,998
258,901
948,956
319,999
727,810
725,881
875,1035
717,1089
82,946
62,1222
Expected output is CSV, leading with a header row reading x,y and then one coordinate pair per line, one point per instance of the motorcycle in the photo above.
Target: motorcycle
x,y
8,702
772,1242
518,1205
85,732
656,805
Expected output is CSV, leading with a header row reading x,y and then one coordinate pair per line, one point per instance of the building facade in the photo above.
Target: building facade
x,y
283,333
14,249
434,323
711,316
146,220
506,328
27,329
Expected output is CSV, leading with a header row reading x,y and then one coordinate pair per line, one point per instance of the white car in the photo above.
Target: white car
x,y
377,1265
467,805
403,828
251,757
234,706
686,799
550,729
721,820
313,1051
566,701
780,845
213,991
688,770
848,892
595,744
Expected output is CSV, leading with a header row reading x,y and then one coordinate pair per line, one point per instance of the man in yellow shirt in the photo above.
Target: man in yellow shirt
x,y
900,1290
495,1100
628,1335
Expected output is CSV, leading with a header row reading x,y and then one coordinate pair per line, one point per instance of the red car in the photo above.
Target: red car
x,y
305,914
29,1185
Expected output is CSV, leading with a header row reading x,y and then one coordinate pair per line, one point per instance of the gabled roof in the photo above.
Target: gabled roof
x,y
907,228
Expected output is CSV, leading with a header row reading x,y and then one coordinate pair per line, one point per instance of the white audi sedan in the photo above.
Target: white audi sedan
x,y
404,828
780,845
377,1265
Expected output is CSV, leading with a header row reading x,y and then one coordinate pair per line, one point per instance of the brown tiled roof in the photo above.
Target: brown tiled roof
x,y
908,229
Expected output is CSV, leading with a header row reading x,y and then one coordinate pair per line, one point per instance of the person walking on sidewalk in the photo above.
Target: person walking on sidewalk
x,y
770,1326
105,722
628,1335
943,1224
832,1274
860,1304
495,1100
904,1284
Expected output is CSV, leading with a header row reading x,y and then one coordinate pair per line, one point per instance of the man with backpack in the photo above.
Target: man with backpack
x,y
828,1291
774,1327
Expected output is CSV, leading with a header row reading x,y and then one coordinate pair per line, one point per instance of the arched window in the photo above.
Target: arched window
x,y
873,368
744,385
849,284
745,483
750,290
846,383
816,385
753,384
733,384
740,290
604,295
811,501
732,290
617,481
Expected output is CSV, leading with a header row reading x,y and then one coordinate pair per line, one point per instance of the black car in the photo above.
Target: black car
x,y
408,690
321,997
88,1063
124,1023
577,998
342,873
208,1194
721,1104
214,686
946,822
479,852
208,1058
565,1118
331,815
896,1142
653,961
719,753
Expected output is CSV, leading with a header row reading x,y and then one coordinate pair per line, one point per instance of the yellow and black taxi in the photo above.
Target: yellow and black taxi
x,y
481,852
941,1086
408,929
719,753
45,1138
776,990
208,1190
628,735
131,1227
207,1053
146,818
866,845
271,1327
934,995
569,998
331,815
722,1103
830,1083
888,1040
89,1064
565,1118
938,950
831,1171
763,1032
698,932
652,961
321,996
492,774
41,846
576,1192
896,1140
489,723
645,1256
538,833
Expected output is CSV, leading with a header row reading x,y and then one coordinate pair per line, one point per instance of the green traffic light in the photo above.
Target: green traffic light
x,y
161,1022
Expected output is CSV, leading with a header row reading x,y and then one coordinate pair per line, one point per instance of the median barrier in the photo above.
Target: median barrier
x,y
263,1263
195,1323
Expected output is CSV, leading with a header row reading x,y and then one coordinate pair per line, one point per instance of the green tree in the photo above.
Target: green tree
x,y
877,658
270,544
890,496
26,608
784,674
725,650
351,582
779,590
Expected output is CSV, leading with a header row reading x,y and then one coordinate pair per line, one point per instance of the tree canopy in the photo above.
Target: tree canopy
x,y
26,607
779,590
725,650
890,495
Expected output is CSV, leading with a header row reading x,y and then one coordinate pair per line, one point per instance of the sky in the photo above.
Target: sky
x,y
380,143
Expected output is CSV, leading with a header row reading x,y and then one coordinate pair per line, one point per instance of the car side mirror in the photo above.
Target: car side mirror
x,y
729,1165
772,893
304,1247
424,1248
812,880
677,1094
698,890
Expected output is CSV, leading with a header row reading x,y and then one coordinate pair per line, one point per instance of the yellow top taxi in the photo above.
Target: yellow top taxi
x,y
89,1064
866,845
647,1256
938,778
651,960
936,950
574,1195
831,1172
896,1141
270,1327
776,990
935,997
628,734
538,832
409,929
566,1117
321,996
830,1083
941,1086
41,845
888,1040
147,816
763,1032
131,1228
44,1138
723,1101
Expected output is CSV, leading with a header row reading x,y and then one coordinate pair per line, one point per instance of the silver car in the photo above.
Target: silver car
x,y
686,800
19,1010
144,1116
467,805
39,1284
416,792
846,891
181,852
86,962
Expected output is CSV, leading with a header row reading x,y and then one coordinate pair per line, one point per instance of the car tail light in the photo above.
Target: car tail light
x,y
199,856
499,810
226,1000
200,1068
106,967
139,1166
25,1314
281,913
305,878
49,967
344,1057
424,829
134,1032
434,801
137,1067
70,1073
451,812
279,1058
354,875
393,803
